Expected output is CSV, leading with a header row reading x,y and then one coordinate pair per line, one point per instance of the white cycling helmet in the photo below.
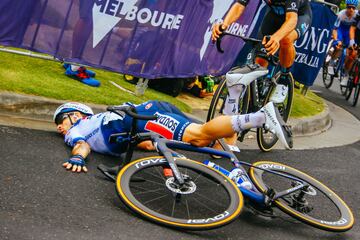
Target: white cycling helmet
x,y
71,107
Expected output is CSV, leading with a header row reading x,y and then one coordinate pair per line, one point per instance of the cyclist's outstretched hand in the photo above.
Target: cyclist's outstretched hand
x,y
217,30
76,164
272,45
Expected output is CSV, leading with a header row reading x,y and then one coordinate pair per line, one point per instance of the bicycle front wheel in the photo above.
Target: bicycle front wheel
x,y
316,204
327,78
207,200
266,140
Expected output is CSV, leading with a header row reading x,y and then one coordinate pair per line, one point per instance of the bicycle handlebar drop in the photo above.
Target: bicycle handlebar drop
x,y
131,111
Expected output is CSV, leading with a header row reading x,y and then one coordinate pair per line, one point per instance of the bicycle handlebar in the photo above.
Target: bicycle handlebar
x,y
246,39
271,58
130,110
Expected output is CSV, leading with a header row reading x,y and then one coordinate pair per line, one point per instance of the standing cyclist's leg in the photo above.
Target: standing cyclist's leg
x,y
287,55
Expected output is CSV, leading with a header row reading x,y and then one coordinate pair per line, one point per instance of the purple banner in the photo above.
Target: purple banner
x,y
147,38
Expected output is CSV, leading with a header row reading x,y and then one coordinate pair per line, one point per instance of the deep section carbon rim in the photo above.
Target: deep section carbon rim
x,y
315,205
207,200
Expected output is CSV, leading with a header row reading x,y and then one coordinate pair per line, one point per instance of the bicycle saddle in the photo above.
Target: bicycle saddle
x,y
245,75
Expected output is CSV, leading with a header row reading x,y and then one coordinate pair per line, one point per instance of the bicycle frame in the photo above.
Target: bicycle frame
x,y
164,147
253,194
342,60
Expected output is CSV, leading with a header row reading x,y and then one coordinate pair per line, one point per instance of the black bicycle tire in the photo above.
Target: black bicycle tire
x,y
324,75
128,199
356,95
263,145
346,214
216,97
343,90
354,71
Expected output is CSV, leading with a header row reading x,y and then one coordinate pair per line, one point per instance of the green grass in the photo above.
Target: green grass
x,y
40,77
305,106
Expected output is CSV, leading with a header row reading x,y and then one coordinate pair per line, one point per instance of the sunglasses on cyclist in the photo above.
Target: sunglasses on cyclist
x,y
350,7
60,118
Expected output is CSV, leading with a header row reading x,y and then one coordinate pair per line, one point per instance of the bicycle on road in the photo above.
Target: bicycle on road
x,y
353,85
199,196
258,84
334,68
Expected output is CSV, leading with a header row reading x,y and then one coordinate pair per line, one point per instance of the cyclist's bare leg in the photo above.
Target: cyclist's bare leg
x,y
262,62
350,59
221,127
337,52
287,50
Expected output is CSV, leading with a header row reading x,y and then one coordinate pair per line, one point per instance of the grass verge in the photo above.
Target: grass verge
x,y
306,106
40,77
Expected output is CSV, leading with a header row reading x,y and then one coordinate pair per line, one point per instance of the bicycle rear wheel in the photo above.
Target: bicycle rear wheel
x,y
207,200
356,95
353,77
266,140
316,205
218,101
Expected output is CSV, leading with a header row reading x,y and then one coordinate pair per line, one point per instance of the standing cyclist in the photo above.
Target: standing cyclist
x,y
343,38
286,21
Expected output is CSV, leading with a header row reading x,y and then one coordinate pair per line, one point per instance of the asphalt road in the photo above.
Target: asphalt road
x,y
40,200
333,95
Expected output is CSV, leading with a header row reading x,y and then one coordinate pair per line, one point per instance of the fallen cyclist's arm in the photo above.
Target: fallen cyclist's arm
x,y
77,161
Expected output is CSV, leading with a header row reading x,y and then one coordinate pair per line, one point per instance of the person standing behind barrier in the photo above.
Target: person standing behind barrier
x,y
81,34
286,21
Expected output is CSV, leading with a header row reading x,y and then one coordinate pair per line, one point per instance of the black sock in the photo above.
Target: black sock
x,y
284,76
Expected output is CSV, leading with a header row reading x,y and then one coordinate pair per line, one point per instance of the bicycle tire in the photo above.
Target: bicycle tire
x,y
353,78
127,191
343,89
218,101
356,95
266,140
327,78
344,219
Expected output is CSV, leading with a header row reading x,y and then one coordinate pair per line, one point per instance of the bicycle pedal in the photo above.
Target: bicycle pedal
x,y
258,210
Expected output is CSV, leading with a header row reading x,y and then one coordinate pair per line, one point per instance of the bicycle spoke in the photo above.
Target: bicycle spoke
x,y
204,205
150,191
187,208
208,199
156,198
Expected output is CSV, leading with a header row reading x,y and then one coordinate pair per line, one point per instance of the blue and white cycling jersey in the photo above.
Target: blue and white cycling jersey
x,y
93,130
343,24
96,129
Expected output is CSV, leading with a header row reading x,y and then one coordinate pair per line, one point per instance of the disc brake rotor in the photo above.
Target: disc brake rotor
x,y
188,187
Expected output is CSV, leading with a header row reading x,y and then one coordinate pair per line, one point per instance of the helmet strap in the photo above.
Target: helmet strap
x,y
70,119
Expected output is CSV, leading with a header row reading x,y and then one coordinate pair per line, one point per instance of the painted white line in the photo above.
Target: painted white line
x,y
121,88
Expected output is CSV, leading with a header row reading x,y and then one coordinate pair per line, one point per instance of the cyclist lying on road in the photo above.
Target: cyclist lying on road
x,y
85,131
